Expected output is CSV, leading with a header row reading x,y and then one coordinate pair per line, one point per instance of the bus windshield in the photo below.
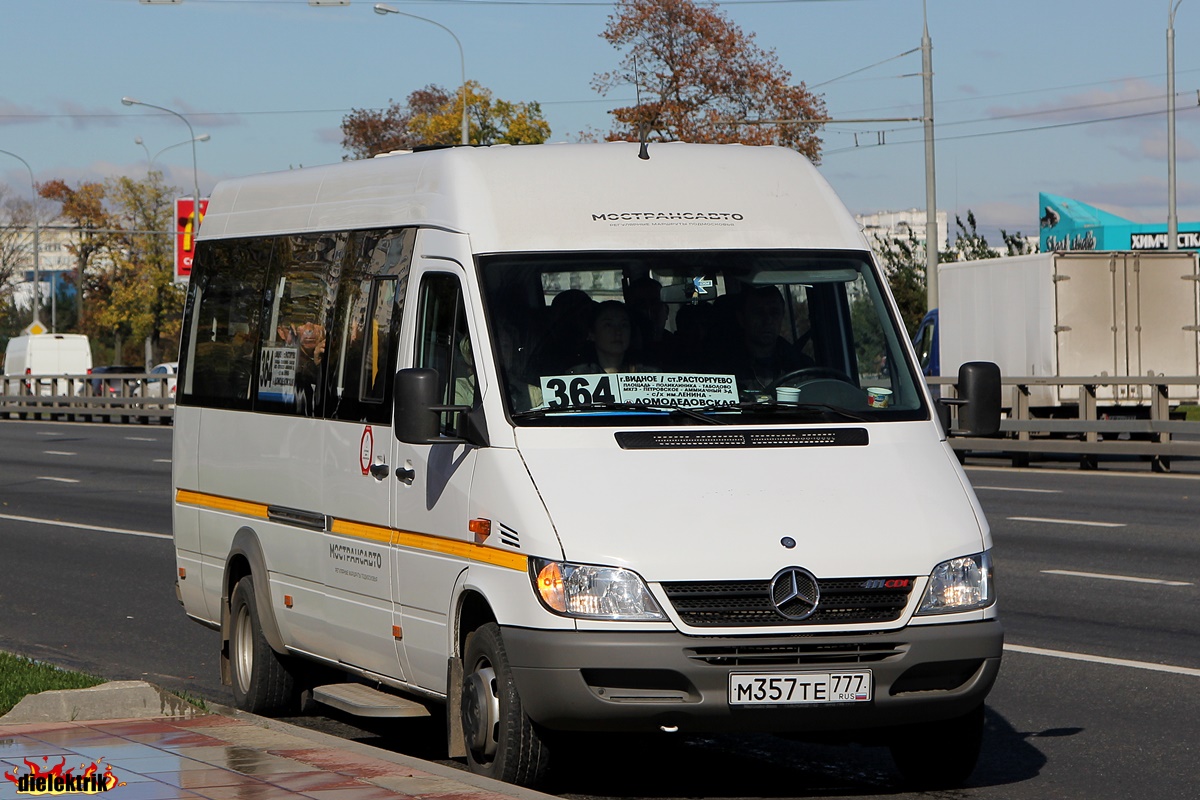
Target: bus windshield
x,y
718,336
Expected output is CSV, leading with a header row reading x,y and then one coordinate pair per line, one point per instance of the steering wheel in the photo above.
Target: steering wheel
x,y
811,374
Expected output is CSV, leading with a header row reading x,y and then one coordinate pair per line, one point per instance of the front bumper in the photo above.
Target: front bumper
x,y
629,681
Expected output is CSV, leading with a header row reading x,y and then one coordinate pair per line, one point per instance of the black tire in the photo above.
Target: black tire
x,y
939,755
263,683
502,742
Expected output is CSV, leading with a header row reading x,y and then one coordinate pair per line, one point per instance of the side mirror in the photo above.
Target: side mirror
x,y
978,399
417,413
416,418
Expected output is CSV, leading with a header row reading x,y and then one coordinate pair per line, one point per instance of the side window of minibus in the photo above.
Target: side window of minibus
x,y
227,285
362,354
300,294
444,342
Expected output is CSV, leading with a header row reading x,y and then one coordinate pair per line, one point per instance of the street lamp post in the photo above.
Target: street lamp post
x,y
204,137
37,246
384,8
931,226
129,101
1172,218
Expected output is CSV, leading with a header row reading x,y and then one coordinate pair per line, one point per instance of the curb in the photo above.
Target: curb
x,y
112,700
124,700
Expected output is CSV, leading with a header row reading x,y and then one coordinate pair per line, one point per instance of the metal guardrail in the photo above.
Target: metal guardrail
x,y
1152,428
108,397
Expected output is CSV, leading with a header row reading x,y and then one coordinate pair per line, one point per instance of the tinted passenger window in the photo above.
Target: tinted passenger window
x,y
226,295
298,300
362,355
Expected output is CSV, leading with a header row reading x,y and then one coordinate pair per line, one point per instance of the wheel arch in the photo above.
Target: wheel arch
x,y
246,558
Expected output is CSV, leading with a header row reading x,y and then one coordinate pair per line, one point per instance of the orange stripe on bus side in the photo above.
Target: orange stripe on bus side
x,y
218,503
363,530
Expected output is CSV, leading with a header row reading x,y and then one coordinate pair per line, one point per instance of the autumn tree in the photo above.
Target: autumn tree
x,y
700,79
124,254
433,116
83,207
144,302
367,131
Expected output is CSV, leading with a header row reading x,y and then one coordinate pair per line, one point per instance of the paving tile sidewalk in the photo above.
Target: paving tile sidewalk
x,y
231,756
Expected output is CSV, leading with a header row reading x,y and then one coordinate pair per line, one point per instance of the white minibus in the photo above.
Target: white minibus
x,y
577,438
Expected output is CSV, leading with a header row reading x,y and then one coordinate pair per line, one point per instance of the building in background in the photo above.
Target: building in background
x,y
889,225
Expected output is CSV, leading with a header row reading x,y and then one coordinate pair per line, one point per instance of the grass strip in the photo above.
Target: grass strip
x,y
20,676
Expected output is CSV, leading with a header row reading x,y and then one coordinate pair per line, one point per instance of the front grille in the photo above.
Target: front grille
x,y
798,654
748,603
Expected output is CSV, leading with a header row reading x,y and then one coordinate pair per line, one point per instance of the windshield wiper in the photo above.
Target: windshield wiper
x,y
771,406
670,408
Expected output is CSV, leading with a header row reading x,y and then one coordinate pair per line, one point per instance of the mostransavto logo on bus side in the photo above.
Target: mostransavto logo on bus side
x,y
670,217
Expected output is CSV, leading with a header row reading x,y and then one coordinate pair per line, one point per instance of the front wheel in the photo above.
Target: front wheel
x,y
939,755
262,682
502,742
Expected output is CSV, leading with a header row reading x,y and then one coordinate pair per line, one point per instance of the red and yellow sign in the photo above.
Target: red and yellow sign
x,y
185,235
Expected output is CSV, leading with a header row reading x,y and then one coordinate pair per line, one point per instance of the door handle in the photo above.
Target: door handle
x,y
406,476
380,471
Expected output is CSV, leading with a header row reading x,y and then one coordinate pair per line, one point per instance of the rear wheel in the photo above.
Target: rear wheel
x,y
263,683
939,755
502,742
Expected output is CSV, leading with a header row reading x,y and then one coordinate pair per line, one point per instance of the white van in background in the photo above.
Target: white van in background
x,y
50,354
577,438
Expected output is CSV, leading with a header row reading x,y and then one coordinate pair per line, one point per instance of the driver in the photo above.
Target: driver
x,y
758,356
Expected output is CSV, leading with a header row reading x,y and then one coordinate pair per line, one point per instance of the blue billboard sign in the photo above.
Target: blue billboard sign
x,y
1068,224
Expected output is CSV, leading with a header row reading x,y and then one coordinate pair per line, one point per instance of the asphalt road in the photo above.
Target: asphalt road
x,y
1097,574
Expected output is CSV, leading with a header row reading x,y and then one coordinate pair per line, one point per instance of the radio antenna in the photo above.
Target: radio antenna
x,y
643,127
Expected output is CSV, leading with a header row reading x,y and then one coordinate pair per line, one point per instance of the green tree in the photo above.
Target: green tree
x,y
699,77
1015,244
903,261
969,243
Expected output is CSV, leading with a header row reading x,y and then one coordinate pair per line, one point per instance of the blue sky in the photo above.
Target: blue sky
x,y
1017,84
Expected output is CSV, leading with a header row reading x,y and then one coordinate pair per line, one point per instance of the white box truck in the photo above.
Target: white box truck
x,y
49,354
559,438
1074,314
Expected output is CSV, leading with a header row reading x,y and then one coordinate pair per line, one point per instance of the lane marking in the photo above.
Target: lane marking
x,y
56,480
49,433
1116,662
1054,521
162,461
59,453
81,526
140,439
1016,489
1106,577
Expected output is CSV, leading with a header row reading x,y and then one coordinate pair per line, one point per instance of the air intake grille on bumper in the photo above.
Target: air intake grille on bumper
x,y
748,603
799,654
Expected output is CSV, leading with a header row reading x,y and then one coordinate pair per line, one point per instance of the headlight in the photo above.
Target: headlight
x,y
960,584
580,590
